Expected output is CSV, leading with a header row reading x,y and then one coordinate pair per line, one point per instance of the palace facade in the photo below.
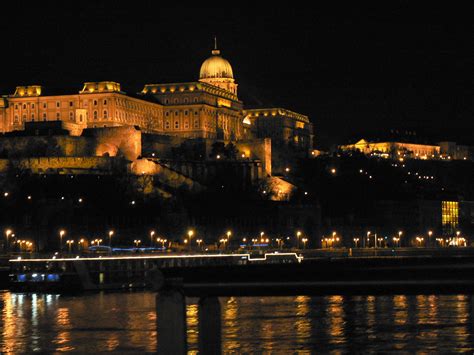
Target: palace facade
x,y
208,108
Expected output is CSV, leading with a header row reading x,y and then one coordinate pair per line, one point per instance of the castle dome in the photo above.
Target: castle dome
x,y
216,67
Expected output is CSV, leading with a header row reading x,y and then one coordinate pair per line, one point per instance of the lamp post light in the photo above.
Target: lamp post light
x,y
304,240
396,241
81,244
430,233
111,233
69,244
368,239
399,237
152,233
8,232
62,232
137,242
419,240
224,241
190,236
199,241
356,242
298,235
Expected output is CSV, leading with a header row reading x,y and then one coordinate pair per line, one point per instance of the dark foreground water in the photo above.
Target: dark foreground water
x,y
125,322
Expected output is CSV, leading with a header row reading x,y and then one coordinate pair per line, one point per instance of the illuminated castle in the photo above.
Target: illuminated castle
x,y
208,109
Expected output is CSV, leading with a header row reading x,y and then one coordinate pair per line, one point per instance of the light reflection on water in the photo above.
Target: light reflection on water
x,y
126,322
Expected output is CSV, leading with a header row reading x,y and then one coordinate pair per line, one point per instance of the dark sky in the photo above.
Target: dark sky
x,y
352,70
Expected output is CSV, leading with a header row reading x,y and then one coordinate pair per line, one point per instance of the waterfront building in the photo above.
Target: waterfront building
x,y
208,108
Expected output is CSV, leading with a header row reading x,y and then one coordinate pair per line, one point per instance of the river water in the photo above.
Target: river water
x,y
125,323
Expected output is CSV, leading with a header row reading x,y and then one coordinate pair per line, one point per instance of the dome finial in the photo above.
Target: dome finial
x,y
215,51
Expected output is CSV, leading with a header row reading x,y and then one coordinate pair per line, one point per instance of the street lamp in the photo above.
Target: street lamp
x,y
190,235
61,235
111,233
152,233
396,240
223,241
356,242
137,242
419,240
81,243
298,234
368,240
69,243
304,242
8,232
199,241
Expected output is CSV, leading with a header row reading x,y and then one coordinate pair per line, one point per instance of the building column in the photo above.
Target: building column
x,y
171,322
210,325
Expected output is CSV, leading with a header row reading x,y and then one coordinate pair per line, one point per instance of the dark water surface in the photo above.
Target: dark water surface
x,y
125,322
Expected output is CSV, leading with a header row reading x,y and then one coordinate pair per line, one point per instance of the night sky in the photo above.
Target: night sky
x,y
352,70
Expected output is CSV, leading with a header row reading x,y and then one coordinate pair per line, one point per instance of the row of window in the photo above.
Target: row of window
x,y
58,104
176,113
176,101
185,124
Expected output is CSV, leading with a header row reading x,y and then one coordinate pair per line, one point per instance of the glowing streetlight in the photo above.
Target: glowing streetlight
x,y
224,241
298,235
69,244
152,233
8,232
111,233
199,241
137,242
62,232
304,242
419,240
81,243
356,242
430,233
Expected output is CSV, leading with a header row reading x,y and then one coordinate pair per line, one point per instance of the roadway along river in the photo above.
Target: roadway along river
x,y
125,322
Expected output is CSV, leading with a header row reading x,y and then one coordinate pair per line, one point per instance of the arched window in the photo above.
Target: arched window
x,y
105,102
105,114
71,116
80,118
44,116
95,102
176,124
95,115
58,116
167,124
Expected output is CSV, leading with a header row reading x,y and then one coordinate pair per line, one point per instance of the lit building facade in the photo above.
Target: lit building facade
x,y
208,108
394,150
284,127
